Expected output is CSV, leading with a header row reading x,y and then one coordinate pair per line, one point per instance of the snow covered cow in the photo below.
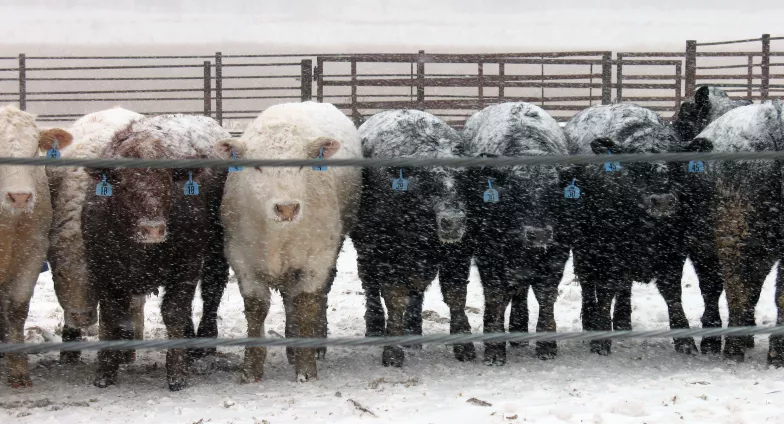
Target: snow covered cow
x,y
284,226
519,239
745,205
629,223
407,236
152,231
25,217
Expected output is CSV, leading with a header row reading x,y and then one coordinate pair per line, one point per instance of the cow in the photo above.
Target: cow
x,y
285,226
408,235
628,224
519,239
745,204
25,218
154,229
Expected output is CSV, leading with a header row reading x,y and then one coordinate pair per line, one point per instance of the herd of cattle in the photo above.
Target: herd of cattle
x,y
114,236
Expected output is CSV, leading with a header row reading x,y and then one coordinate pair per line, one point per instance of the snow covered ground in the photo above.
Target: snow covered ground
x,y
642,382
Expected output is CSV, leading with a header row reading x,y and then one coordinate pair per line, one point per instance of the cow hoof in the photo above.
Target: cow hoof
x,y
305,377
128,357
710,345
464,352
393,356
601,347
495,354
775,359
735,349
195,354
685,346
176,387
413,346
321,352
290,355
20,382
70,358
104,382
248,377
546,350
748,340
518,345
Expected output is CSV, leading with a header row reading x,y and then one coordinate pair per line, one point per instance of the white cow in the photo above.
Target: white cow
x,y
284,226
25,217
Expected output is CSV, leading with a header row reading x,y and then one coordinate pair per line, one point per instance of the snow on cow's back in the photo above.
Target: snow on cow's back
x,y
311,120
513,129
408,133
181,136
92,131
748,128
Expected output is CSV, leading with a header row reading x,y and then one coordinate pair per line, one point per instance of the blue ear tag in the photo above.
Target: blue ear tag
x,y
320,156
696,166
191,187
400,184
611,166
234,168
491,194
103,189
572,191
53,153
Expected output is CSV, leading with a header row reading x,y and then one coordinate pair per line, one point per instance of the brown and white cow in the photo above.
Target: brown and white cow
x,y
25,217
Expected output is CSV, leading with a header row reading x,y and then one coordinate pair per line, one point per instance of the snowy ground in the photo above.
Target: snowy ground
x,y
642,382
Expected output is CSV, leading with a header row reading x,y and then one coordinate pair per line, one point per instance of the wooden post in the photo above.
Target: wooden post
x,y
765,67
619,78
421,80
354,112
319,79
690,76
606,78
207,88
678,81
501,81
750,78
481,84
219,87
22,82
306,79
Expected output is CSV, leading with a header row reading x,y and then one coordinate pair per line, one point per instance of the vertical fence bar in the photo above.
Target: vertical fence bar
x,y
481,84
354,112
765,67
678,82
22,82
306,77
421,80
750,77
619,78
501,72
219,87
207,88
319,79
606,78
691,68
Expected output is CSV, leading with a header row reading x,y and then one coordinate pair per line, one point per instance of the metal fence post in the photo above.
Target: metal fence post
x,y
421,80
690,70
619,78
219,87
750,78
22,82
678,78
207,88
765,67
319,79
501,72
481,84
306,79
354,112
606,78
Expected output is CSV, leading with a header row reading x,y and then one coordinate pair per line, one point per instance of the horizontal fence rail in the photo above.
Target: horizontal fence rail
x,y
388,341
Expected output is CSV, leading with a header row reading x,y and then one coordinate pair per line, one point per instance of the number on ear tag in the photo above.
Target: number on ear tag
x,y
611,166
234,168
320,157
53,153
491,194
696,166
191,187
400,184
103,189
572,191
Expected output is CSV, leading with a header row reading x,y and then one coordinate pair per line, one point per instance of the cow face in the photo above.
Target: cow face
x,y
20,138
708,104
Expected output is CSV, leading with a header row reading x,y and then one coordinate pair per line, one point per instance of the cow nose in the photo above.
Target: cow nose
x,y
19,200
451,224
154,231
287,212
538,236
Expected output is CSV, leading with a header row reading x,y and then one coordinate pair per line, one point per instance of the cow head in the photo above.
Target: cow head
x,y
284,194
21,138
143,199
708,104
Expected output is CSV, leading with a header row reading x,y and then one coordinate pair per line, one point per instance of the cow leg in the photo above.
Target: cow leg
x,y
137,316
257,304
306,314
546,292
17,305
670,288
454,289
741,293
290,330
497,296
395,298
776,349
215,275
706,265
603,321
115,324
518,316
177,312
71,334
413,316
322,324
622,311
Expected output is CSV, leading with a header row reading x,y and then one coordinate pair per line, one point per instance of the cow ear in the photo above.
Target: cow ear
x,y
702,96
602,145
330,146
700,144
224,148
47,138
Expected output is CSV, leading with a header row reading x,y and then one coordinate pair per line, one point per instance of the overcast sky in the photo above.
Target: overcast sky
x,y
497,24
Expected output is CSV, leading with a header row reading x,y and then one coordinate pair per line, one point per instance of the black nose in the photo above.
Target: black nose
x,y
538,235
451,224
